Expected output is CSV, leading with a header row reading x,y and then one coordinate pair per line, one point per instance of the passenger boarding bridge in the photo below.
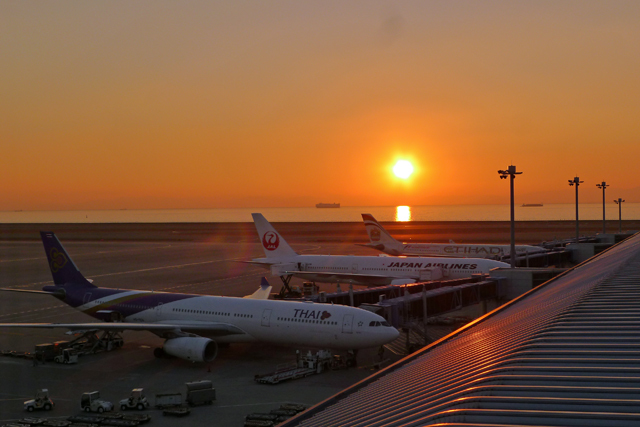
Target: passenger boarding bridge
x,y
563,354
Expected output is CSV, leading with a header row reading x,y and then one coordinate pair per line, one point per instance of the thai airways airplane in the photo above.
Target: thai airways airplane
x,y
363,270
382,241
193,325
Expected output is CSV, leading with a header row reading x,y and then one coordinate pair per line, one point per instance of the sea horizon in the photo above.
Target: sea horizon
x,y
547,212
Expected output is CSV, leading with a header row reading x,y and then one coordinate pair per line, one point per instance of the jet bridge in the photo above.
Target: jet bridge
x,y
563,354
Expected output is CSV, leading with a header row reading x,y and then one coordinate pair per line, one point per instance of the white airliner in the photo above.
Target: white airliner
x,y
364,270
193,324
382,241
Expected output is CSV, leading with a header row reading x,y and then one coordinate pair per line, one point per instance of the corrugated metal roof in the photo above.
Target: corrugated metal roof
x,y
564,354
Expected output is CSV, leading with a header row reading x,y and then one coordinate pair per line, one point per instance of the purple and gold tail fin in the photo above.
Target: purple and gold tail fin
x,y
63,270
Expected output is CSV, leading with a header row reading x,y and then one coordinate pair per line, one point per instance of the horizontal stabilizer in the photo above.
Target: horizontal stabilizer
x,y
263,292
27,291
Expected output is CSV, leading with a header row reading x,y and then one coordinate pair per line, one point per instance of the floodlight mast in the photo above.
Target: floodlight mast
x,y
511,172
576,181
619,203
603,186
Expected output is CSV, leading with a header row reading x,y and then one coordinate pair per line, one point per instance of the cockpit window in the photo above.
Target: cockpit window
x,y
383,323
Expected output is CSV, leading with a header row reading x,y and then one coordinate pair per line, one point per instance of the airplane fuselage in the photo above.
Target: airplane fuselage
x,y
279,322
456,250
389,269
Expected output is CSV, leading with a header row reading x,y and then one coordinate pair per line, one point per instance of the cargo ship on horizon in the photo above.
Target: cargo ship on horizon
x,y
327,205
532,205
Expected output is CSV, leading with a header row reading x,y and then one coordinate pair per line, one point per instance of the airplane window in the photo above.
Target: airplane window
x,y
372,323
385,323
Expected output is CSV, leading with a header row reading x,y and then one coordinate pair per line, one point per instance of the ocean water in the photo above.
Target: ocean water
x,y
630,211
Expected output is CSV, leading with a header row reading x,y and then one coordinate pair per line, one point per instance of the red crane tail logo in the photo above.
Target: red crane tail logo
x,y
270,241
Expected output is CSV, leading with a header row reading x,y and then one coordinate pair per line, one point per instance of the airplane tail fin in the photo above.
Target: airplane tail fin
x,y
263,291
378,235
63,270
273,244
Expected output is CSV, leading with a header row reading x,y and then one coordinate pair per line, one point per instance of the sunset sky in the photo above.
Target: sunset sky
x,y
203,104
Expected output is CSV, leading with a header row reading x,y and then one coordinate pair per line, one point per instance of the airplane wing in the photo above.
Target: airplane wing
x,y
367,279
213,329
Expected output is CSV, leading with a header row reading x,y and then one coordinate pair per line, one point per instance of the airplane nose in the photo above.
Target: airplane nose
x,y
394,333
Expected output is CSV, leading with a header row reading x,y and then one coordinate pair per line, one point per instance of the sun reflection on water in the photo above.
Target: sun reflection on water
x,y
403,213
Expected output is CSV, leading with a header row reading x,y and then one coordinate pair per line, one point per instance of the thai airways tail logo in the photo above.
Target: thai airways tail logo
x,y
325,315
270,241
375,235
58,260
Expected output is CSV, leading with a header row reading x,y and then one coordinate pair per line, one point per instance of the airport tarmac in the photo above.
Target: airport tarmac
x,y
187,267
186,258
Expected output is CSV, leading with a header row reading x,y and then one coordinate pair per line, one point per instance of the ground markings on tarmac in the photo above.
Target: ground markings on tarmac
x,y
34,311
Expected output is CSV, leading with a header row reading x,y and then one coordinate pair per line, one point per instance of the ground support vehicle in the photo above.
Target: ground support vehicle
x,y
258,416
31,421
91,402
68,357
200,393
137,400
293,407
86,420
44,352
306,365
139,418
168,400
178,411
90,342
41,401
258,423
116,422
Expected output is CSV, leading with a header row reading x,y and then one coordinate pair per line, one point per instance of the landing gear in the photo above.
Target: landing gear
x,y
352,360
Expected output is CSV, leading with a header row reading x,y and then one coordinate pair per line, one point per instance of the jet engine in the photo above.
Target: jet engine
x,y
194,349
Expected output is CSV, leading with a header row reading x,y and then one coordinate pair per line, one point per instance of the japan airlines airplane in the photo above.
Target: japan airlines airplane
x,y
382,241
363,270
192,325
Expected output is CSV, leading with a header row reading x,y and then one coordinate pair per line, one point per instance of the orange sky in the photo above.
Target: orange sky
x,y
157,104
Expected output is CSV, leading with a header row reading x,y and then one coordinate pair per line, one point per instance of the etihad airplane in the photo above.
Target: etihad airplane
x,y
363,270
382,241
193,325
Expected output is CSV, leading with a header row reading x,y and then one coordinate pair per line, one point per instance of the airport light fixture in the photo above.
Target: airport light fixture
x,y
619,203
511,172
604,187
576,181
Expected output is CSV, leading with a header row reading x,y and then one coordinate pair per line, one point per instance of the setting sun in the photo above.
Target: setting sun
x,y
403,169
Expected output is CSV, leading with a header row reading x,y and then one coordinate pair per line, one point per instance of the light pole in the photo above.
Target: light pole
x,y
511,172
576,181
619,203
604,187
